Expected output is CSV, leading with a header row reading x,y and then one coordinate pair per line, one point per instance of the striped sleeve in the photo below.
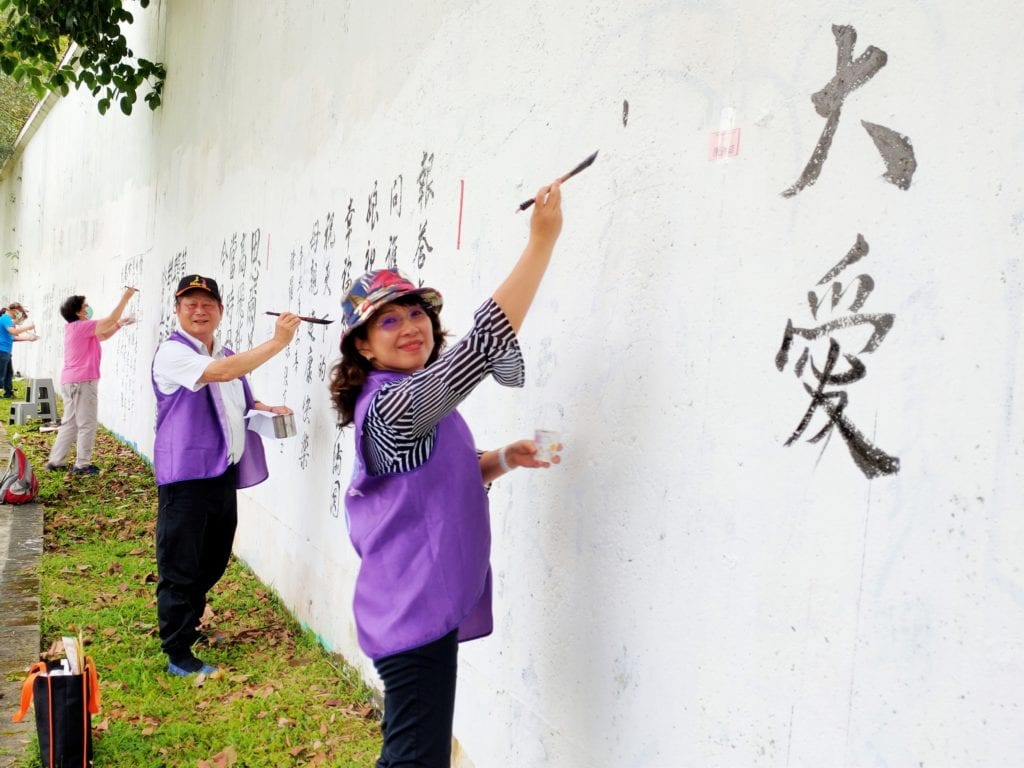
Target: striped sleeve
x,y
399,430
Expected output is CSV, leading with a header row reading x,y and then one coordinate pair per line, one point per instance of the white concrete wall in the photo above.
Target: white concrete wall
x,y
685,590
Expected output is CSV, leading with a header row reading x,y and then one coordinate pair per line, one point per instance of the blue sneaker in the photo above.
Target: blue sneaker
x,y
204,669
88,469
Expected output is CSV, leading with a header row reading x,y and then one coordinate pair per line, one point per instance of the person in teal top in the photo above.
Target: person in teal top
x,y
8,330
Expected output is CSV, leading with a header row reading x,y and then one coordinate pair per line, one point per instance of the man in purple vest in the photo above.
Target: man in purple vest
x,y
202,454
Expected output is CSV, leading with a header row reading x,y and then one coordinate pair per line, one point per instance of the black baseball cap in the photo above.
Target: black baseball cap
x,y
198,282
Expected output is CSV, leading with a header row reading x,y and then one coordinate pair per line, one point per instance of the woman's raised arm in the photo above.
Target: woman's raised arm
x,y
516,293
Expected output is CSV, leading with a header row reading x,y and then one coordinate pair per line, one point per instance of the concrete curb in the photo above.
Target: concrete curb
x,y
21,544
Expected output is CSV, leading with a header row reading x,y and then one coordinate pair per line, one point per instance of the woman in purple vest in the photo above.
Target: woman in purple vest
x,y
417,505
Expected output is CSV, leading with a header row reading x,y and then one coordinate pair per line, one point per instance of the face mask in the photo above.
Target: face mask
x,y
88,313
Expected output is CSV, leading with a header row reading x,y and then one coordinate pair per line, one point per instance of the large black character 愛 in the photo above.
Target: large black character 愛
x,y
871,460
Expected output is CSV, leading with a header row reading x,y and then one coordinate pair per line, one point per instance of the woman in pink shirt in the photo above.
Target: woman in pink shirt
x,y
79,380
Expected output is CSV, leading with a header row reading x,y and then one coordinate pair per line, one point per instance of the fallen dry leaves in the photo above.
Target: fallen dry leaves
x,y
223,759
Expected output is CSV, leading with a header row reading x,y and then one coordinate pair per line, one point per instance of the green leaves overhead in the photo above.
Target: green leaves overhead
x,y
34,34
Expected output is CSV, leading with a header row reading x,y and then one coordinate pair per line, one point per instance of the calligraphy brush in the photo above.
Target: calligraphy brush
x,y
581,167
317,320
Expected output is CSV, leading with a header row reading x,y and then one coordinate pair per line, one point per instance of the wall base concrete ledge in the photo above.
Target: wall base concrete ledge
x,y
21,544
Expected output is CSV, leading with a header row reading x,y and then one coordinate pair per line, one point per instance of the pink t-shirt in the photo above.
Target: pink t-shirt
x,y
81,352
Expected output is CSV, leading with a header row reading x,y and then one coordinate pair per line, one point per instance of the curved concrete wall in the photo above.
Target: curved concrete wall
x,y
687,589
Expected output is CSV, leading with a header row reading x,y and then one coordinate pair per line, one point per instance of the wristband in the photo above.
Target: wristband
x,y
501,460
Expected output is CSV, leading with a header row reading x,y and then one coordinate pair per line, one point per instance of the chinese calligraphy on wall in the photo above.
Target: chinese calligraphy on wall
x,y
127,344
825,376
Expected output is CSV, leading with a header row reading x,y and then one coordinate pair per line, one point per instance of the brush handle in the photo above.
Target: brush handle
x,y
317,320
562,179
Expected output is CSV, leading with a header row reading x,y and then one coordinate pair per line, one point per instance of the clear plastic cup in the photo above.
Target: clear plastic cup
x,y
547,443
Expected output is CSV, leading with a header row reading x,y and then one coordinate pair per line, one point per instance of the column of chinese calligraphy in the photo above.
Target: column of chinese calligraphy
x,y
337,454
309,275
346,267
316,337
395,213
127,344
172,272
47,314
304,340
824,379
425,183
320,242
239,283
336,450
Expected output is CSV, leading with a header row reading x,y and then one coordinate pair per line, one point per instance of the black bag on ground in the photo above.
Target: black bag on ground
x,y
64,707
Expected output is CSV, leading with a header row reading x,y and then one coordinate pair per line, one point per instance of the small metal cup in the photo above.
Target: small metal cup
x,y
284,425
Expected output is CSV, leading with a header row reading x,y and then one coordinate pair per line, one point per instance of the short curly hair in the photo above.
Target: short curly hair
x,y
71,307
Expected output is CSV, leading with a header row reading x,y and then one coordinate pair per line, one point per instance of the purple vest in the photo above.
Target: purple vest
x,y
192,435
424,538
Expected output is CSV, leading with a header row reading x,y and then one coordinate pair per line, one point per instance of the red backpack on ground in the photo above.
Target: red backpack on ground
x,y
18,483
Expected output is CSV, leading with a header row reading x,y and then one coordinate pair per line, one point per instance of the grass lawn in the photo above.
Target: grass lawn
x,y
284,700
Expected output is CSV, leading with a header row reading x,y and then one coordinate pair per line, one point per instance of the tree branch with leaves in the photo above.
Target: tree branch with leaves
x,y
35,34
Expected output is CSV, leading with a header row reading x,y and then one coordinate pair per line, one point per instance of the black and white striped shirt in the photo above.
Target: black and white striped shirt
x,y
400,424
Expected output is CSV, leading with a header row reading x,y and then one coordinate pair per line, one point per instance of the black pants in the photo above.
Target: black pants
x,y
7,374
419,704
195,528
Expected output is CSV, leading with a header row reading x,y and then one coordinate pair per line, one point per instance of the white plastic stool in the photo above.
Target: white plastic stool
x,y
21,413
40,392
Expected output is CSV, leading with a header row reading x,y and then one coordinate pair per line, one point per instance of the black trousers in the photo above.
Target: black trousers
x,y
419,704
7,374
195,529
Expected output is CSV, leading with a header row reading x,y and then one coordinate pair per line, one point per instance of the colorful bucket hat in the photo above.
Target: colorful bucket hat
x,y
375,289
